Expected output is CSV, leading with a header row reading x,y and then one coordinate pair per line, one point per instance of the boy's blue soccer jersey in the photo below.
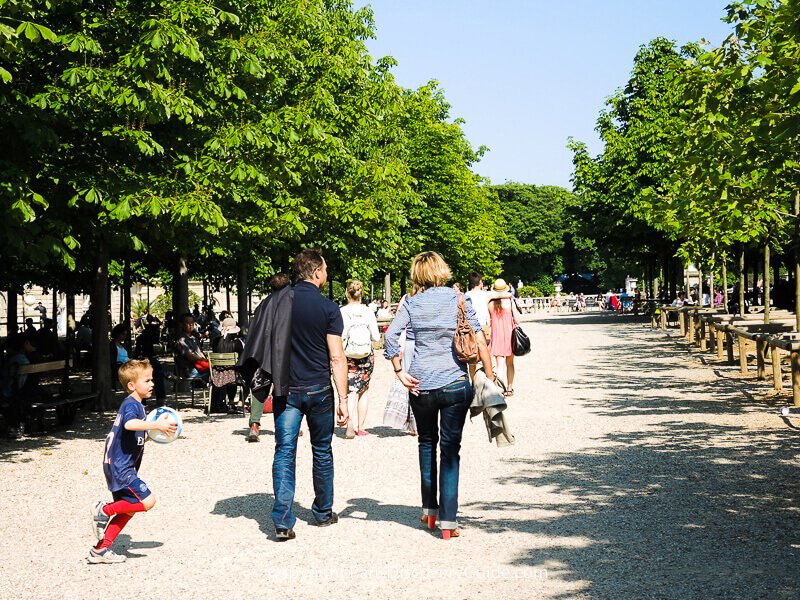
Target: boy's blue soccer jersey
x,y
124,449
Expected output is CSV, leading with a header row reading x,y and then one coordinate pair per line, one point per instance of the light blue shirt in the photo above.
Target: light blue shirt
x,y
432,316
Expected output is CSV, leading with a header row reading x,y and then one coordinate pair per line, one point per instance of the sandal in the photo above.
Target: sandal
x,y
508,393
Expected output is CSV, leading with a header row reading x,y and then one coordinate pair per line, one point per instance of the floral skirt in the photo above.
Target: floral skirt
x,y
359,372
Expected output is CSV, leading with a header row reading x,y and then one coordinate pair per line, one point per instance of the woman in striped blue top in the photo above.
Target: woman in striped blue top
x,y
437,381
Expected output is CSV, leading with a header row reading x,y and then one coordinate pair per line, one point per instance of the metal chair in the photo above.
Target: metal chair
x,y
177,378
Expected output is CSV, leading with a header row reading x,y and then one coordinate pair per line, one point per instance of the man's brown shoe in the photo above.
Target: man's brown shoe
x,y
253,435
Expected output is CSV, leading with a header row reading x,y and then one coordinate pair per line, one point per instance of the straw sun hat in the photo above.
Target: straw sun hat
x,y
228,325
500,285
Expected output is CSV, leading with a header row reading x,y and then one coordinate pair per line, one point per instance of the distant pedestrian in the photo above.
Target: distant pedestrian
x,y
504,315
360,331
42,310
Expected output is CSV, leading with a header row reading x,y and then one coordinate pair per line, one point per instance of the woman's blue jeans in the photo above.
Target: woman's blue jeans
x,y
316,403
440,416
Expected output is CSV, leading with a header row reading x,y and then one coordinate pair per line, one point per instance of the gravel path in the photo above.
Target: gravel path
x,y
639,472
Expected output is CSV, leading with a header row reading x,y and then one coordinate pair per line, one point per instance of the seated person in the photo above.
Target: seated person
x,y
46,341
169,326
21,351
229,340
613,302
189,359
384,312
119,353
30,329
680,300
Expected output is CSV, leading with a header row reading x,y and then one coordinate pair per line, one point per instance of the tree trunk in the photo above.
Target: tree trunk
x,y
387,287
766,282
755,281
687,281
742,281
797,260
126,303
205,294
403,286
12,308
101,358
725,283
656,282
700,286
180,288
242,296
70,321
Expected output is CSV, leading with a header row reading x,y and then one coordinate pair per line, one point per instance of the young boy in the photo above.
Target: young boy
x,y
121,461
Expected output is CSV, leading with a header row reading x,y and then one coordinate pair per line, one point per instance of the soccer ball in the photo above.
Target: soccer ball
x,y
164,412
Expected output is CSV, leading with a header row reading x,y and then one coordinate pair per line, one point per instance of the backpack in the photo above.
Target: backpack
x,y
358,339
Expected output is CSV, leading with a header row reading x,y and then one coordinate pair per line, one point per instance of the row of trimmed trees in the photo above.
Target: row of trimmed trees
x,y
152,139
701,154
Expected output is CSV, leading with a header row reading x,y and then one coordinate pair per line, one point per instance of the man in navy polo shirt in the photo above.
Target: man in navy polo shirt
x,y
316,352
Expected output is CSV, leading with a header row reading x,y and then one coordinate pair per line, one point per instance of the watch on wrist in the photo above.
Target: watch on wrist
x,y
398,370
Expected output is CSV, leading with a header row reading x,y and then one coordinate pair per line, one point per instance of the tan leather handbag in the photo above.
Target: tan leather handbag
x,y
465,340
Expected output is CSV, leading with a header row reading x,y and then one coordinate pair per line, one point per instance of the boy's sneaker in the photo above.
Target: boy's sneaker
x,y
104,556
99,519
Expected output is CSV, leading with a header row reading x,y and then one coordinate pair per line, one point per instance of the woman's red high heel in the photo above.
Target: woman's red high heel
x,y
429,520
448,533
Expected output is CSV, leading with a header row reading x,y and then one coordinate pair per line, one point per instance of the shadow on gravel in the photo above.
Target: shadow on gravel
x,y
589,318
649,375
368,509
259,508
685,509
126,545
87,426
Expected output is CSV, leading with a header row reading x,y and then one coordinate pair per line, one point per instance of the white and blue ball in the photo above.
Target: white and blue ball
x,y
165,412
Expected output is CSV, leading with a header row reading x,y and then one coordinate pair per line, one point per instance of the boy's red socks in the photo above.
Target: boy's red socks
x,y
115,525
123,506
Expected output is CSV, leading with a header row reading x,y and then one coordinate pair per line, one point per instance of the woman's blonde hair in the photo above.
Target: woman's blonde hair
x,y
354,289
428,270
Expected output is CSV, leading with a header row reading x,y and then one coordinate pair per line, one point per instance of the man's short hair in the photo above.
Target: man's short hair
x,y
130,371
475,278
305,263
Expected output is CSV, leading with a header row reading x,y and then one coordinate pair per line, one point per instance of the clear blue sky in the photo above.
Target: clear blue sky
x,y
527,74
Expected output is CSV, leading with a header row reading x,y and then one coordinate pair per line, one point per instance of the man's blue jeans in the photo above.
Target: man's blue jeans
x,y
442,410
316,403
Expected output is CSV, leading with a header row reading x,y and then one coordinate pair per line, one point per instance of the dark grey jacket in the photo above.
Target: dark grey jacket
x,y
264,364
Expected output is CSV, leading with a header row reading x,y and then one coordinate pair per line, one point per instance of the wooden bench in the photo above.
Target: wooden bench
x,y
790,344
719,327
55,395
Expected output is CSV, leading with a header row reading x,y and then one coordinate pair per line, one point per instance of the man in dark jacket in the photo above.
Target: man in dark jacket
x,y
316,353
259,351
